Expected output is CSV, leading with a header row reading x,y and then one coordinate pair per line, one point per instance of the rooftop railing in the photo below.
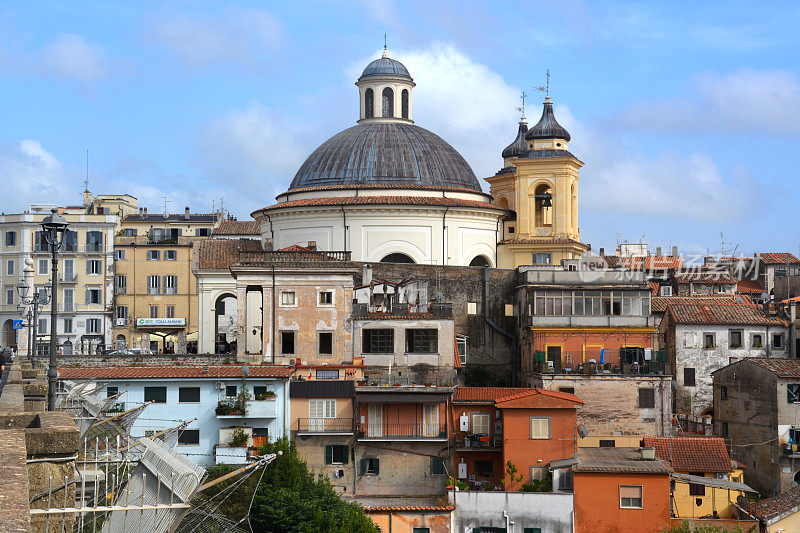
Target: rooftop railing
x,y
278,256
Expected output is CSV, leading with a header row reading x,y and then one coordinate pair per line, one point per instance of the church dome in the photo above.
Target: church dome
x,y
547,127
519,147
385,153
385,66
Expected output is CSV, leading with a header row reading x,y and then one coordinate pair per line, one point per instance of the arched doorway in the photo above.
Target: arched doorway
x,y
225,313
9,334
480,261
397,257
121,343
66,349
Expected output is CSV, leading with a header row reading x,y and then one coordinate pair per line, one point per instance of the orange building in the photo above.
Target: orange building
x,y
616,490
497,425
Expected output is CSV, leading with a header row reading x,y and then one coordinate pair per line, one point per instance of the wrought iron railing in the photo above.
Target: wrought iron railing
x,y
324,425
411,430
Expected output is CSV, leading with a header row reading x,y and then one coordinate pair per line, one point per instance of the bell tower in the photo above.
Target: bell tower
x,y
538,184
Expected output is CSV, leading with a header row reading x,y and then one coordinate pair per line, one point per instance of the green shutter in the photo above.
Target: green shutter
x,y
363,468
346,454
328,454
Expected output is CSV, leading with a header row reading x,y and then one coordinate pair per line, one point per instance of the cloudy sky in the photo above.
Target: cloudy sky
x,y
686,114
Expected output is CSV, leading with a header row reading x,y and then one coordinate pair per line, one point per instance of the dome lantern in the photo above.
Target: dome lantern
x,y
547,133
384,91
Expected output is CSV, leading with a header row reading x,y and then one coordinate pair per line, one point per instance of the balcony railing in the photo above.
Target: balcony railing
x,y
324,425
413,430
479,441
589,368
438,310
278,256
68,277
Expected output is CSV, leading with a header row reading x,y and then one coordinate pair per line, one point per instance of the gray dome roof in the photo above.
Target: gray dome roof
x,y
386,66
386,153
519,147
547,127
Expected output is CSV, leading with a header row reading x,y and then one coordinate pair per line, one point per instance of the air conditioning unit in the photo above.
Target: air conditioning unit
x,y
121,322
219,385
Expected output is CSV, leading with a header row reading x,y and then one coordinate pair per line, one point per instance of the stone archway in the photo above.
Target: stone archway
x,y
398,257
225,314
480,261
9,334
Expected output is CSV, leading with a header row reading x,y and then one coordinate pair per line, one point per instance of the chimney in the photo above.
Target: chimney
x,y
366,274
658,251
269,245
648,453
144,211
186,213
674,251
140,211
312,245
602,252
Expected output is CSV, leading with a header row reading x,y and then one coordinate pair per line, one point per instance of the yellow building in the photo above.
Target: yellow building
x,y
155,290
539,186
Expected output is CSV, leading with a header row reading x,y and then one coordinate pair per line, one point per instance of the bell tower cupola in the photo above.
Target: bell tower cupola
x,y
384,91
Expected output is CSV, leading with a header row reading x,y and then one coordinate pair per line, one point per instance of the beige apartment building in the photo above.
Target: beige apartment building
x,y
85,277
155,290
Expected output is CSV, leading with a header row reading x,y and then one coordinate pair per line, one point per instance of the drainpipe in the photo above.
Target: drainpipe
x,y
390,521
497,238
272,333
344,229
444,236
271,232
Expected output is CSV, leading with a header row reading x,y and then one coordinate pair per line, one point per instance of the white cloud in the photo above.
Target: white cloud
x,y
30,174
244,36
747,101
618,178
69,56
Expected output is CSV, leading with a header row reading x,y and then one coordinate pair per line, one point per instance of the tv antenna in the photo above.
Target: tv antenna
x,y
546,88
86,181
165,205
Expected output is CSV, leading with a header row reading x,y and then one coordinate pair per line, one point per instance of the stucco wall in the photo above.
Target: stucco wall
x,y
549,511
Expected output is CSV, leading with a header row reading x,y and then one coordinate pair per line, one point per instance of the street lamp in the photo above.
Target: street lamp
x,y
54,226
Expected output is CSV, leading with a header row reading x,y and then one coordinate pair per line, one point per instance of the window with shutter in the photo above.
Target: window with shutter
x,y
647,398
630,496
540,427
480,423
793,392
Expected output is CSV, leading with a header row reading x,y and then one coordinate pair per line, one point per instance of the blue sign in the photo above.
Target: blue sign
x,y
18,324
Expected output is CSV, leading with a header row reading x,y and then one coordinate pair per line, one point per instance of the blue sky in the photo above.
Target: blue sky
x,y
686,114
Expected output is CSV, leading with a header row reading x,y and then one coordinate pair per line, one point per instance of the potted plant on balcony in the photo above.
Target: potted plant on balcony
x,y
239,438
269,395
225,408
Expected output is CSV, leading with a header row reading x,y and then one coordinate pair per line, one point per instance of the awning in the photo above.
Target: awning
x,y
400,397
712,482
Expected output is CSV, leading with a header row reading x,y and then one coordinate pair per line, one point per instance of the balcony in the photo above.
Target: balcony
x,y
408,431
254,409
479,442
340,426
437,310
67,277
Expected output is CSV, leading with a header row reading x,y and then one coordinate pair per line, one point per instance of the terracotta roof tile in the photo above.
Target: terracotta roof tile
x,y
171,217
771,258
537,391
777,505
236,227
659,304
485,394
715,278
692,454
654,285
385,200
173,372
722,314
220,254
543,240
652,262
749,286
783,368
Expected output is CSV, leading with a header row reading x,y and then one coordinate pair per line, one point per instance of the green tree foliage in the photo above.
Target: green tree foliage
x,y
292,499
704,528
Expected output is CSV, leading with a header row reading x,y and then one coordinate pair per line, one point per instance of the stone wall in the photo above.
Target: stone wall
x,y
487,348
404,469
145,359
612,402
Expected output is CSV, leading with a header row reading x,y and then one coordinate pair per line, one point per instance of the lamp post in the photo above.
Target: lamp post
x,y
54,226
37,298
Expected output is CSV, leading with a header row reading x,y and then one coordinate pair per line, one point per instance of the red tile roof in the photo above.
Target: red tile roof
x,y
544,240
654,286
749,286
771,258
485,394
722,314
692,454
236,227
295,248
540,392
409,316
173,372
777,505
713,278
385,200
659,304
413,508
783,368
652,262
220,254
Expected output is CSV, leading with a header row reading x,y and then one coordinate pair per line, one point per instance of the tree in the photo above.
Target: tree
x,y
704,528
290,498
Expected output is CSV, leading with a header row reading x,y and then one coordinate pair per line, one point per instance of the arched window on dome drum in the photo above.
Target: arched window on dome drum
x,y
404,102
368,103
388,102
